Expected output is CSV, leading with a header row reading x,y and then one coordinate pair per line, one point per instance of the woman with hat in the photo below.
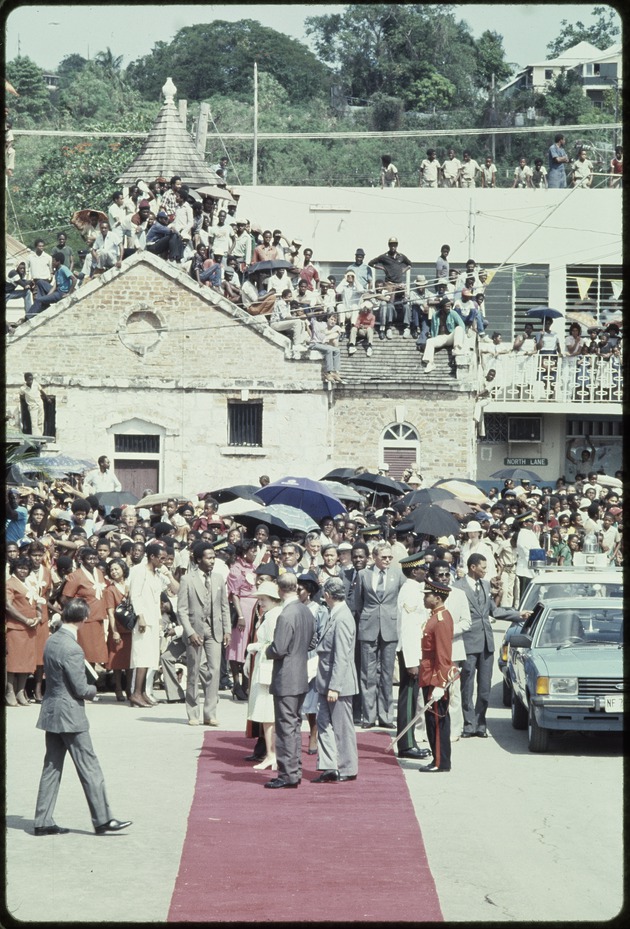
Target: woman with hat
x,y
260,704
241,585
308,586
476,543
436,673
23,616
523,540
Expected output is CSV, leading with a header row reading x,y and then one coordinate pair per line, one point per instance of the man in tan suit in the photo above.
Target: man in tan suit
x,y
202,608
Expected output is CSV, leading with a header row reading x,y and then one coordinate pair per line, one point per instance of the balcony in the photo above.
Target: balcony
x,y
585,380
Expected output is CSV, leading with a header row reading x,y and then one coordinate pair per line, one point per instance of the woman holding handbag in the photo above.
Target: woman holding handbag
x,y
260,707
119,638
88,582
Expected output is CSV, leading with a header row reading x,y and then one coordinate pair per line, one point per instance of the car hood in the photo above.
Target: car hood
x,y
581,661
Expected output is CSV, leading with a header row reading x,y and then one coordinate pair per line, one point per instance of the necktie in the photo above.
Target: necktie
x,y
208,601
380,586
478,591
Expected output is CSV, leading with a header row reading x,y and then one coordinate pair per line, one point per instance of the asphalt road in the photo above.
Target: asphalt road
x,y
510,836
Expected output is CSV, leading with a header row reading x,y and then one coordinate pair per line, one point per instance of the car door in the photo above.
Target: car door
x,y
519,657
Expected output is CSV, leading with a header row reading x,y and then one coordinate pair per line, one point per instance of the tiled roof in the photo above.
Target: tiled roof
x,y
168,150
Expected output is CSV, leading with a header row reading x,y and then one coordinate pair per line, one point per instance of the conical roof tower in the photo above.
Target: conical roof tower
x,y
169,149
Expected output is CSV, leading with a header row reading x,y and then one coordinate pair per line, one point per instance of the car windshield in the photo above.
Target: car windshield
x,y
584,625
566,590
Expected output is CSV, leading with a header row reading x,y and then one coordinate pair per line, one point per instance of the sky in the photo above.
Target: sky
x,y
48,32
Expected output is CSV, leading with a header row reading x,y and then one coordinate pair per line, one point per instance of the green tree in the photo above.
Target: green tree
x,y
564,101
602,33
490,59
218,58
401,50
28,80
69,68
385,112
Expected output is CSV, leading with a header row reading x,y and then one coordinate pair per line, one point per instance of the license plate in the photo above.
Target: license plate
x,y
613,704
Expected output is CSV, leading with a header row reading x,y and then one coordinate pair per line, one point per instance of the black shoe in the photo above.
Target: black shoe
x,y
114,825
182,700
385,725
326,777
481,734
432,769
278,782
381,334
367,725
415,753
468,735
347,777
255,757
50,830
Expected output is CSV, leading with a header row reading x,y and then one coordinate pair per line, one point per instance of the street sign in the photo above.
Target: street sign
x,y
526,462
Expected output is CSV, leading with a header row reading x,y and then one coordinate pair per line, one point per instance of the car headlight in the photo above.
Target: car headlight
x,y
504,652
557,686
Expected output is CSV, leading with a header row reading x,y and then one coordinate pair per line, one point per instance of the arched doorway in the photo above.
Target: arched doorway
x,y
399,448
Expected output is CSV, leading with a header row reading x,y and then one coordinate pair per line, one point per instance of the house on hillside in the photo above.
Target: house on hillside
x,y
598,71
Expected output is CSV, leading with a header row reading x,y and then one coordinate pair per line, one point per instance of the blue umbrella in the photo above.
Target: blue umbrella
x,y
282,520
59,464
304,494
542,312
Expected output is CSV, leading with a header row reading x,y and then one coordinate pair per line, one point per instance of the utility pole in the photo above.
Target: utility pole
x,y
471,228
255,156
202,129
492,101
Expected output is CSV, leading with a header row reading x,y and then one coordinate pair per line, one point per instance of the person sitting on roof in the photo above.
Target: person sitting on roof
x,y
64,283
107,248
283,320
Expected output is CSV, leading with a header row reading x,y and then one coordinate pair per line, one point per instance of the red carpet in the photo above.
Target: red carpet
x,y
324,852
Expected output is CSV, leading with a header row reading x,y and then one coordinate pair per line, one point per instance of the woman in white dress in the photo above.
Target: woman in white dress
x,y
146,583
260,705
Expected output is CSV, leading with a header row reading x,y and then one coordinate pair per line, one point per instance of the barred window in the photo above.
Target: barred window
x,y
496,428
137,444
245,423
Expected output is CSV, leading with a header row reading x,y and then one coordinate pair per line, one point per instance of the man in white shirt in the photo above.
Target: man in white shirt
x,y
429,170
107,249
450,170
468,171
283,321
582,170
39,268
101,479
489,173
522,174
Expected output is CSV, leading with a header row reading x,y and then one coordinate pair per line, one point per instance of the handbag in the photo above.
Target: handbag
x,y
125,614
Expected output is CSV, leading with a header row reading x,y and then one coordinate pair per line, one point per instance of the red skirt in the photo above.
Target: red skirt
x,y
119,653
21,650
91,638
43,633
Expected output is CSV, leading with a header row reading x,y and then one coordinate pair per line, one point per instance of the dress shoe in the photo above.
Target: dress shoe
x,y
120,698
211,722
367,725
347,777
385,725
254,757
432,769
22,699
193,722
468,735
10,699
311,751
326,777
114,825
277,783
481,734
138,702
181,700
150,700
415,753
266,763
50,830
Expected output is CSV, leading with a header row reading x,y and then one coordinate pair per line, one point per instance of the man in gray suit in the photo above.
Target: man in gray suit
x,y
376,605
294,636
336,683
62,716
202,609
479,645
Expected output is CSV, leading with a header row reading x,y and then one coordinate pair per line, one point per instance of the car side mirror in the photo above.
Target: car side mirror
x,y
520,641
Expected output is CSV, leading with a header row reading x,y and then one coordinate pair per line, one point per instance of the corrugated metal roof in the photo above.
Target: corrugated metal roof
x,y
168,150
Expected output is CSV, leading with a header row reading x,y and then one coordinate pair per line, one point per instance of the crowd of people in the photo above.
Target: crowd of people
x,y
467,172
208,594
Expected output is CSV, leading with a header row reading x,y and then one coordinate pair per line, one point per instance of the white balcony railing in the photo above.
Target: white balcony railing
x,y
552,378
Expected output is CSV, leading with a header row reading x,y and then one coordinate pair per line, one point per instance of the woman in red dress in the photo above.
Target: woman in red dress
x,y
436,673
23,615
88,582
119,639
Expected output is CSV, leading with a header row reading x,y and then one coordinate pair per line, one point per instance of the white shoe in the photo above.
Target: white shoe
x,y
429,367
352,349
388,334
369,351
406,333
193,722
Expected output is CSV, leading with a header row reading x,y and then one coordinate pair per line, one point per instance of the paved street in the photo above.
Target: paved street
x,y
509,835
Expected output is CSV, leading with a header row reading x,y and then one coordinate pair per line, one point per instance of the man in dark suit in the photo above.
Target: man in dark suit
x,y
376,604
336,683
203,611
350,577
62,716
293,637
479,645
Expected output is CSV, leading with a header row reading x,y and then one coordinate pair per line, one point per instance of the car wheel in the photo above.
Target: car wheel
x,y
507,693
537,738
519,713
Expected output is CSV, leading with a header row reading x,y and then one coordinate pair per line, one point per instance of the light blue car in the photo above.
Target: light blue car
x,y
565,669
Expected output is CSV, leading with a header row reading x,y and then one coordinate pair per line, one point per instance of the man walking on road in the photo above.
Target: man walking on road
x,y
63,718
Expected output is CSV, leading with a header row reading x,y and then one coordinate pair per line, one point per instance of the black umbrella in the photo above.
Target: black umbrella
x,y
343,475
429,520
379,483
116,497
272,265
226,494
426,496
516,474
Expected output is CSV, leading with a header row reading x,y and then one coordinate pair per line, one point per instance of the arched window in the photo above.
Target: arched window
x,y
399,448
